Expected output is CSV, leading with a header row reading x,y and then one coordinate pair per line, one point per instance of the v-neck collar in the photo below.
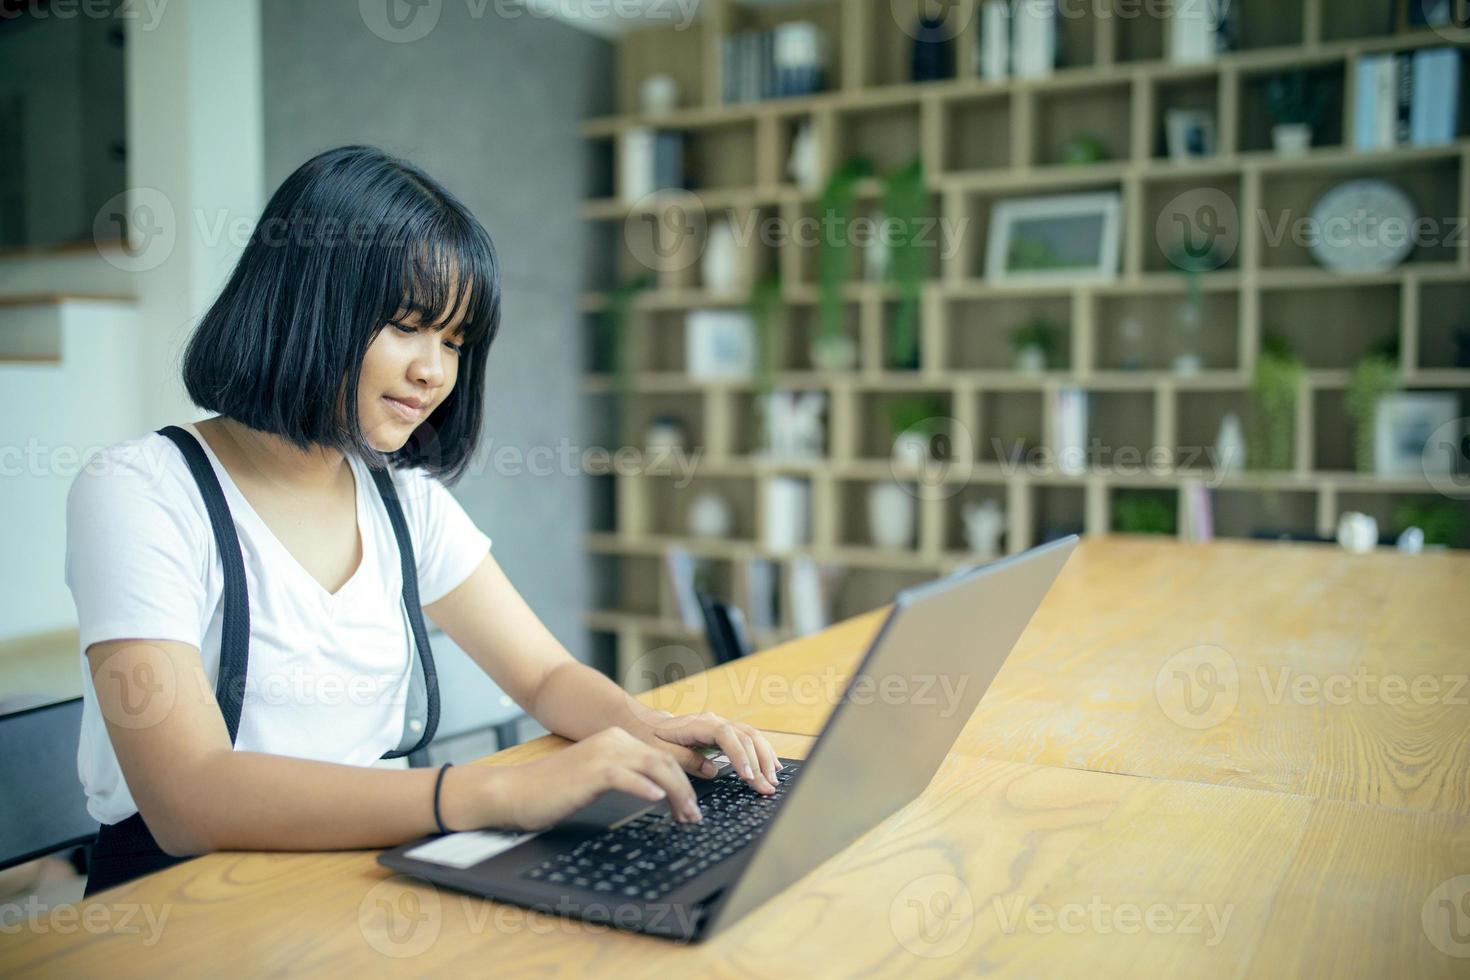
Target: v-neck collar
x,y
241,510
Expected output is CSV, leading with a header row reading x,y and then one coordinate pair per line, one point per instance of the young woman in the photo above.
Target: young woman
x,y
345,364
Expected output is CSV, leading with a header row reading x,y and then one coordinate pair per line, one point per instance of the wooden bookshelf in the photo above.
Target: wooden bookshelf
x,y
981,142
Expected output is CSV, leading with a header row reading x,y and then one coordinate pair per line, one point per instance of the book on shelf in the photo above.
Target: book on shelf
x,y
1197,521
1198,30
808,606
788,60
993,42
762,590
1406,98
682,568
649,160
1034,39
786,513
1068,435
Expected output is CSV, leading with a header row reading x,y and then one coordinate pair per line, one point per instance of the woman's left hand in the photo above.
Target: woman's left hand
x,y
747,749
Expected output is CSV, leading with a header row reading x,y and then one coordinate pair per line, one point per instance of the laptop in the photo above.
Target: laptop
x,y
624,862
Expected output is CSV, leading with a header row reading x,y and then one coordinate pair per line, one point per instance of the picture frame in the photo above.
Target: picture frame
x,y
1189,134
719,343
1057,237
1402,425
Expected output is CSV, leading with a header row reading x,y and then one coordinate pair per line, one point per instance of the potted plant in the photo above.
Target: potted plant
x,y
1442,522
1143,513
1275,386
1373,377
1033,344
1296,102
913,421
833,349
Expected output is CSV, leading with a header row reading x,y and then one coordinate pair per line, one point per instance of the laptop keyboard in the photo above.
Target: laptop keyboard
x,y
650,855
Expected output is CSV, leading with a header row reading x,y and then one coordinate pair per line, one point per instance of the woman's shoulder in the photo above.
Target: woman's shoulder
x,y
148,466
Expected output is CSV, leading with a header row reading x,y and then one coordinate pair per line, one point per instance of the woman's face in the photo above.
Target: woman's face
x,y
408,370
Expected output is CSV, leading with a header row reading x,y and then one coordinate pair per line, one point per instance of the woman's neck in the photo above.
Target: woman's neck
x,y
280,462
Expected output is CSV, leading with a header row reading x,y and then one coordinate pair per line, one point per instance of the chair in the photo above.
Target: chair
x,y
45,808
724,628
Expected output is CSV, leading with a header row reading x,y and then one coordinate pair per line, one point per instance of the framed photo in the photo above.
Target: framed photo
x,y
719,344
1043,239
1189,133
1402,425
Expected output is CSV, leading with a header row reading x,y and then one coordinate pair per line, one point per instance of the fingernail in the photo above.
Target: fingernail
x,y
748,773
709,769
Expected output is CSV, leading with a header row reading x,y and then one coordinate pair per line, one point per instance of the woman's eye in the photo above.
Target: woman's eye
x,y
402,329
453,346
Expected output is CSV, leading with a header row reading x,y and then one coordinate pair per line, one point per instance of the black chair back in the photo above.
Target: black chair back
x,y
724,628
45,808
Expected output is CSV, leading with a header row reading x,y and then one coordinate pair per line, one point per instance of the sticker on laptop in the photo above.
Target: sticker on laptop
x,y
466,849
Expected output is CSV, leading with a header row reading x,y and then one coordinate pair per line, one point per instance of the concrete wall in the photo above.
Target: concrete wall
x,y
490,107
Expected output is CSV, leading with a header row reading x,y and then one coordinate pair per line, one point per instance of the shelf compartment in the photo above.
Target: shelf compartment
x,y
627,583
1431,183
664,50
1199,215
1194,93
1199,415
1264,514
1279,23
1163,502
1056,511
1393,516
979,206
1009,421
1333,431
803,327
875,430
749,429
826,15
643,407
1333,327
722,155
1350,19
854,530
669,503
1101,111
1120,425
602,503
1147,333
980,330
977,133
1137,35
889,35
888,135
954,540
861,590
1255,117
1444,325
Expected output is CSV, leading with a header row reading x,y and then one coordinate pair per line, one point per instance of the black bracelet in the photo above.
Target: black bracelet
x,y
438,783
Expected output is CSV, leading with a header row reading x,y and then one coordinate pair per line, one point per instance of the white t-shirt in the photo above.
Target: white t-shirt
x,y
328,673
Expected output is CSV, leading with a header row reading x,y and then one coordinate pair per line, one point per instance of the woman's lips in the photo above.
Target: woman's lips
x,y
406,411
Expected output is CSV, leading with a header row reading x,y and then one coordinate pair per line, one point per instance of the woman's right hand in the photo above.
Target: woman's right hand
x,y
535,795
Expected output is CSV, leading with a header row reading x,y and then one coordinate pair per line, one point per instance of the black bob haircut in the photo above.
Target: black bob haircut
x,y
352,239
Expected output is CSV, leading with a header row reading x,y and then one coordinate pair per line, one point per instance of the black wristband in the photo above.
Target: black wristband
x,y
438,784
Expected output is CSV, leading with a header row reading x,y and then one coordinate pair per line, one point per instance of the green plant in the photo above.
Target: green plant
x,y
1037,332
1083,149
834,262
1373,377
919,413
1293,97
905,197
615,319
1442,521
1144,514
1275,387
768,315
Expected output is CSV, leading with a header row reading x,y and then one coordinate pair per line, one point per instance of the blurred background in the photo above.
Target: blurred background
x,y
803,302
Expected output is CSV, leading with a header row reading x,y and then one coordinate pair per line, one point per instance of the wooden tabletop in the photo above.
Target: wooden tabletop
x,y
1201,760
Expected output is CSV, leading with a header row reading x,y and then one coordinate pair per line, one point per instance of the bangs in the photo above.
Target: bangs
x,y
441,262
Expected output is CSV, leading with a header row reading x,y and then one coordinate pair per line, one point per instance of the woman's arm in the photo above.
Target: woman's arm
x,y
487,617
197,794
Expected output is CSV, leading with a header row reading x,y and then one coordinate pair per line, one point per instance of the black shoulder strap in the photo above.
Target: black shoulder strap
x,y
415,614
234,645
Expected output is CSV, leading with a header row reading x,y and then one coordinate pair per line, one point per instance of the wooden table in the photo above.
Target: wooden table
x,y
1201,760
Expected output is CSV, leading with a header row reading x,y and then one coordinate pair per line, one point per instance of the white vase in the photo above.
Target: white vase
x,y
910,449
803,166
658,94
1291,139
1230,446
709,516
1357,532
720,263
890,515
984,524
1030,359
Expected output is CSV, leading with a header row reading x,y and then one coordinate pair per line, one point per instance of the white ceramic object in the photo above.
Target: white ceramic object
x,y
1357,532
658,95
910,449
709,516
876,255
1030,359
803,166
1366,225
720,263
891,515
663,436
985,522
834,354
1230,446
1291,139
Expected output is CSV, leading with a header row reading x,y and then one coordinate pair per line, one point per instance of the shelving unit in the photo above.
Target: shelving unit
x,y
981,142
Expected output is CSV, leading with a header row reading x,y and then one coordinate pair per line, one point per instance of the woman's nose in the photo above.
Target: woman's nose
x,y
428,364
